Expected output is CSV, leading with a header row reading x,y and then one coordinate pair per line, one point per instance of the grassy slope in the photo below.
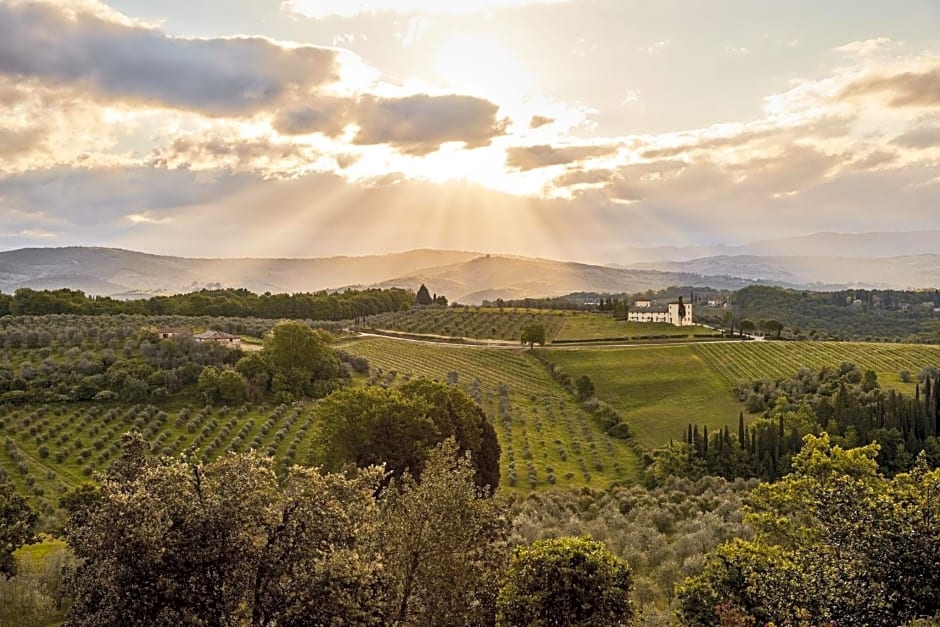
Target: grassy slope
x,y
661,389
657,389
602,326
546,429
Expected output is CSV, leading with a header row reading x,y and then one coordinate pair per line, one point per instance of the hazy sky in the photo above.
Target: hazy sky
x,y
570,129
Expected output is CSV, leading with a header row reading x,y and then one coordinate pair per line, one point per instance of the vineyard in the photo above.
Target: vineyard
x,y
742,362
49,449
546,438
468,322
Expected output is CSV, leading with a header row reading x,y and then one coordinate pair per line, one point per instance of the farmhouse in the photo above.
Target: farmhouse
x,y
678,313
170,332
226,339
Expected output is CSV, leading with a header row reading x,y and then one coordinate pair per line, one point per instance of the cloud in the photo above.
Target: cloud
x,y
904,89
134,63
419,124
540,156
14,142
350,8
326,115
539,121
230,151
416,124
921,138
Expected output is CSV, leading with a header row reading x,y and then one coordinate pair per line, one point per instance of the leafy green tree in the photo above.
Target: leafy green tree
x,y
835,543
231,387
444,545
299,357
456,415
208,384
17,526
774,326
565,581
397,427
746,326
533,334
584,387
167,542
373,426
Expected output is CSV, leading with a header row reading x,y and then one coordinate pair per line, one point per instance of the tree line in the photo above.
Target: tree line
x,y
877,315
348,305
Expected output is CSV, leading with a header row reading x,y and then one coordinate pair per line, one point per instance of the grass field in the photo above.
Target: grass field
x,y
661,389
469,322
657,389
546,438
599,326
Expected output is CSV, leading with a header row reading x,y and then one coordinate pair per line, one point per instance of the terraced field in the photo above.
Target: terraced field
x,y
545,437
469,322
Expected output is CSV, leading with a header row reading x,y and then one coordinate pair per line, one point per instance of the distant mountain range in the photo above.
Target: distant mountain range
x,y
854,245
821,261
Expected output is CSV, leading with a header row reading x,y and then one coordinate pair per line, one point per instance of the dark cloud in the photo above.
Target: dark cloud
x,y
909,89
540,156
922,137
416,124
219,77
328,116
419,124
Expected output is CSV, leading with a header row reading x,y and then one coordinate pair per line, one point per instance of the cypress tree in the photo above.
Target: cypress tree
x,y
742,438
705,439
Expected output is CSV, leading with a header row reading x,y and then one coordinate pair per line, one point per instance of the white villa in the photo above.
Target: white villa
x,y
678,313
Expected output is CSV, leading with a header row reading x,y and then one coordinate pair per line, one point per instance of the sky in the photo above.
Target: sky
x,y
568,129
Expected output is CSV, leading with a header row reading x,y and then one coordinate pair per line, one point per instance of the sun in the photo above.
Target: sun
x,y
481,63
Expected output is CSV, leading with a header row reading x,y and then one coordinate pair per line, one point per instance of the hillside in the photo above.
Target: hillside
x,y
879,244
492,277
898,272
116,272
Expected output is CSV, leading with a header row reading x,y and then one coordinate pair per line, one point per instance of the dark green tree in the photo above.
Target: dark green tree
x,y
565,581
533,334
17,526
423,297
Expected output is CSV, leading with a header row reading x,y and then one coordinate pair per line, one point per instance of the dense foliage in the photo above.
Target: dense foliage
x,y
844,402
165,542
397,427
836,543
565,581
663,533
227,302
878,315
